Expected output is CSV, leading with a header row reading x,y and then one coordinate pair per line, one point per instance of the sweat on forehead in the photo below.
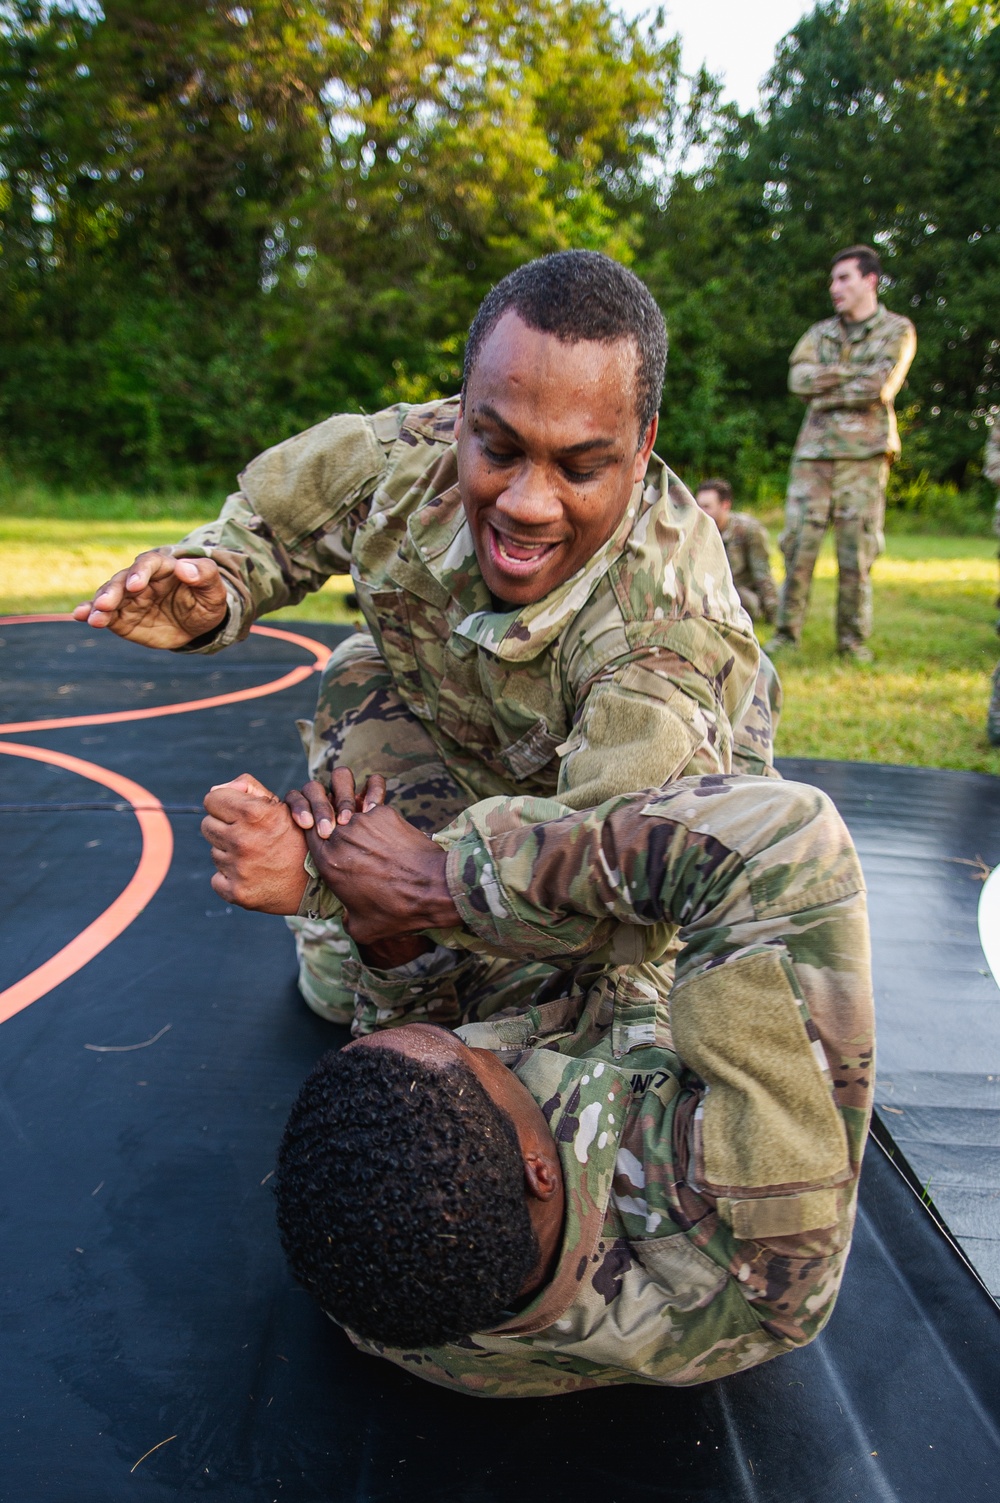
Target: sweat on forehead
x,y
576,296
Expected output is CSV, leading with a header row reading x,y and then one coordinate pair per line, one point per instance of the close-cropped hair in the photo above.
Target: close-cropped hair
x,y
578,295
867,259
721,487
401,1198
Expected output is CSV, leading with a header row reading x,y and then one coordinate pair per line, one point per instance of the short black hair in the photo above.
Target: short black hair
x,y
401,1198
721,487
579,295
867,259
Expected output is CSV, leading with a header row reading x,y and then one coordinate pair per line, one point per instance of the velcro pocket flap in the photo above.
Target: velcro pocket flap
x,y
769,1121
781,1215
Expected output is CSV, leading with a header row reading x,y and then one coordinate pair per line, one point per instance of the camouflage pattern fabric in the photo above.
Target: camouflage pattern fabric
x,y
991,472
856,420
993,712
710,1134
746,545
991,456
851,492
633,672
362,723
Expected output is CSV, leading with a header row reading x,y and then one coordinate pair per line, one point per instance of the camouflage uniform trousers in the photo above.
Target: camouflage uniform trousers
x,y
993,711
362,723
851,492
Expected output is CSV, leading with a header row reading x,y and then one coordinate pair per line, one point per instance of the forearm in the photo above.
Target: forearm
x,y
258,571
811,378
728,861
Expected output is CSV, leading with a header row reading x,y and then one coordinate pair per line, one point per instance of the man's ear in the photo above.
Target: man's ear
x,y
542,1175
461,415
646,449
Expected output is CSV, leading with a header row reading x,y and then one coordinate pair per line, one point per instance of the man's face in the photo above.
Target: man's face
x,y
853,296
711,502
549,451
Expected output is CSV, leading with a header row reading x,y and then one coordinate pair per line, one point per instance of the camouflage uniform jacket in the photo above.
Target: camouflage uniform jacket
x,y
745,542
633,672
991,456
710,1138
857,419
991,469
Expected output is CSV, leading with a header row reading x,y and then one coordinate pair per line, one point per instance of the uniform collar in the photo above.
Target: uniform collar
x,y
585,1102
860,330
442,537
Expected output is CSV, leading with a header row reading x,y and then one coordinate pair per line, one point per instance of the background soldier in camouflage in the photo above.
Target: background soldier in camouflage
x,y
849,369
991,470
549,612
746,545
679,1202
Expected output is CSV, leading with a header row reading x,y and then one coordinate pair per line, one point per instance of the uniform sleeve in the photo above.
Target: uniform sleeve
x,y
771,1008
991,456
759,564
657,713
868,382
805,367
292,523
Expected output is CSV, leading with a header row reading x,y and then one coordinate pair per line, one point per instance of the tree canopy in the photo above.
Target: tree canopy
x,y
220,223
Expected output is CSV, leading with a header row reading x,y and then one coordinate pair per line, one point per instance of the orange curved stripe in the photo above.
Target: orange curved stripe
x,y
154,863
181,707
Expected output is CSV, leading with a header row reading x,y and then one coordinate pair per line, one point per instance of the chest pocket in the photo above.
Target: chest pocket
x,y
531,753
476,709
389,618
641,1015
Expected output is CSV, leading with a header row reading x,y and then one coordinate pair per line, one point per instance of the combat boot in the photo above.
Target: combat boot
x,y
857,652
780,642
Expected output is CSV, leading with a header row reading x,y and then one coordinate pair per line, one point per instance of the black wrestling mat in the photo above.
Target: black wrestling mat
x,y
153,1346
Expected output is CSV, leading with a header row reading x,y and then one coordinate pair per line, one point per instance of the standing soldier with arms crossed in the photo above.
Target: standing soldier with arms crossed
x,y
849,369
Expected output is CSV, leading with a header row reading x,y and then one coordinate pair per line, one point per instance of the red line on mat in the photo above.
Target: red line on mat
x,y
154,863
180,707
157,836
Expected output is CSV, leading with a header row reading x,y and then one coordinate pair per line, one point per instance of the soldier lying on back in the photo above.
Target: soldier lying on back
x,y
611,1180
549,612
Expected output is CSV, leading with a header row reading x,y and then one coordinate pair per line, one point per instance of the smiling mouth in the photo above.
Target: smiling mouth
x,y
512,557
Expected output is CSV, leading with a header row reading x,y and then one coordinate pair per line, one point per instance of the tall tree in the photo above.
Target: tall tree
x,y
880,123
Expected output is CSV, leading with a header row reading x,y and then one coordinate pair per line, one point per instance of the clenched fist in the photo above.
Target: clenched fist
x,y
258,849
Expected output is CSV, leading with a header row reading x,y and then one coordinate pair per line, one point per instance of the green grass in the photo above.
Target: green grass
x,y
923,701
50,564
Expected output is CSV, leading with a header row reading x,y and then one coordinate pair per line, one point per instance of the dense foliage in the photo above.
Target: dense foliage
x,y
219,223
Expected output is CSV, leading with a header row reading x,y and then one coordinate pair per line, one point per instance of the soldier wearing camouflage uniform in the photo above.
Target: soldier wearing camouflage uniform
x,y
639,667
991,470
849,369
709,1135
746,545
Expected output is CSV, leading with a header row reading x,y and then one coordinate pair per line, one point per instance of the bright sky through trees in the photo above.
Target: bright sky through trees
x,y
736,38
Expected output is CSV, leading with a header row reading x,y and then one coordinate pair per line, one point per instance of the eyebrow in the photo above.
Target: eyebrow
x,y
485,409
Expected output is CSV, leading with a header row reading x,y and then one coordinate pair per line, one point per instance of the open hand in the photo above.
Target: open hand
x,y
256,846
159,600
389,875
